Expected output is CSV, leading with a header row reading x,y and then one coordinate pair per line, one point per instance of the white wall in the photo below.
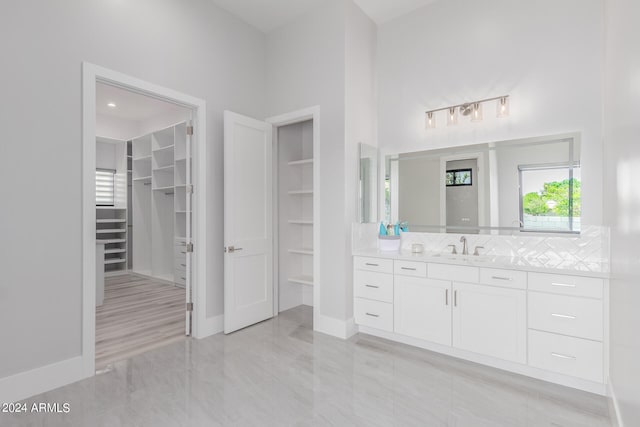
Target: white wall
x,y
305,67
192,47
622,201
546,54
360,118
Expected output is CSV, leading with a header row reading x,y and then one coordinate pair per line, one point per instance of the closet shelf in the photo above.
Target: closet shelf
x,y
301,251
135,159
113,208
110,221
301,162
115,260
182,212
110,241
155,150
164,169
301,221
115,251
300,192
303,280
143,179
111,230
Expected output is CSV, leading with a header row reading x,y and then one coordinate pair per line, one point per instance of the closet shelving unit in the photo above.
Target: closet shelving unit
x,y
112,221
295,187
159,204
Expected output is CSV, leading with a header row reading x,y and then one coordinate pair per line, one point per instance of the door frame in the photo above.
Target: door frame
x,y
479,180
92,74
303,115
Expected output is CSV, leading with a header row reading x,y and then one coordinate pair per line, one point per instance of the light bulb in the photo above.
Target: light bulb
x,y
430,120
452,116
503,107
476,112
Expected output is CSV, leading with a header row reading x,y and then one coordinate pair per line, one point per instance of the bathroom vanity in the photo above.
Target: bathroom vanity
x,y
503,312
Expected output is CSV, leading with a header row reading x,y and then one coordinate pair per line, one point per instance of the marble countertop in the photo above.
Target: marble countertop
x,y
515,263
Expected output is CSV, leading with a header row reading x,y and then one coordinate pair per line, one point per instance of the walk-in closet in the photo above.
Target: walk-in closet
x,y
142,174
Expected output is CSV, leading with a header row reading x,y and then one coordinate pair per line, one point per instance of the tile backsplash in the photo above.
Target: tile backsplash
x,y
588,251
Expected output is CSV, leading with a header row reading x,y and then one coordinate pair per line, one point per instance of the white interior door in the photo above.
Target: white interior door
x,y
248,226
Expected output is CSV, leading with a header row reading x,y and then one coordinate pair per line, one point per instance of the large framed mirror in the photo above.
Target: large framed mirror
x,y
368,184
529,185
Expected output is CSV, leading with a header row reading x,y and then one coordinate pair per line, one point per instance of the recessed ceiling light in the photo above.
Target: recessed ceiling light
x,y
111,105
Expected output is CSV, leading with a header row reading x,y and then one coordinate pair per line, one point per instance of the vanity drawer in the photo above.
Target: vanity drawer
x,y
374,314
575,316
380,265
410,268
566,285
566,355
456,273
504,278
372,285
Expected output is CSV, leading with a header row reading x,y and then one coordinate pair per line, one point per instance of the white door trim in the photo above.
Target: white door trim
x,y
311,113
90,75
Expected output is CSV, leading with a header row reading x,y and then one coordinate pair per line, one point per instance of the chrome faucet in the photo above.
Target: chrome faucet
x,y
465,249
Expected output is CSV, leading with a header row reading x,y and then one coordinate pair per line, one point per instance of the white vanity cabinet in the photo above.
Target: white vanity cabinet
x,y
422,308
490,320
549,326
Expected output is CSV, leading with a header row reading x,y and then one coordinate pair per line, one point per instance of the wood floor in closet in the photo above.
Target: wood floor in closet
x,y
138,314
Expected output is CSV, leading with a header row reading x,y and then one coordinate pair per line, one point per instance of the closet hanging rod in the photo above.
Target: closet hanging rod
x,y
168,193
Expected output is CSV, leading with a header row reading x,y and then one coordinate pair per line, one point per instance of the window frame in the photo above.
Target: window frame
x,y
570,166
455,171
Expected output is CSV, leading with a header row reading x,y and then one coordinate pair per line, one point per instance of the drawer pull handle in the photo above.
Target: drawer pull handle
x,y
184,265
455,298
563,356
408,268
183,252
372,286
564,285
446,297
183,278
372,315
563,316
371,264
501,278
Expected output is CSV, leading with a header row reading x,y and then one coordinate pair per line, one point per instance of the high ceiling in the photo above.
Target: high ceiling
x,y
130,105
267,15
381,11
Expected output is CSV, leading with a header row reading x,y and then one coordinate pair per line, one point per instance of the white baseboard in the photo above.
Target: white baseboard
x,y
210,326
335,327
30,383
614,405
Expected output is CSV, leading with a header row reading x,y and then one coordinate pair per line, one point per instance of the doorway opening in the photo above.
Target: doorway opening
x,y
271,250
143,151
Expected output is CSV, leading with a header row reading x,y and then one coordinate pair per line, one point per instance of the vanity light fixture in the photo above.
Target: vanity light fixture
x,y
431,120
473,109
476,112
452,116
503,107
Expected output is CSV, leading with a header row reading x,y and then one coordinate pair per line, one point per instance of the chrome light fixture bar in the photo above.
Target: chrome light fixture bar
x,y
473,109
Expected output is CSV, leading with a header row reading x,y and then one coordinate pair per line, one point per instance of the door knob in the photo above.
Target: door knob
x,y
232,249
